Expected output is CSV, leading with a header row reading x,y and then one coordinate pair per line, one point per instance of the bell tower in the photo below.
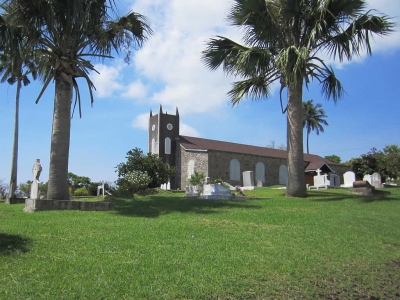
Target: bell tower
x,y
163,134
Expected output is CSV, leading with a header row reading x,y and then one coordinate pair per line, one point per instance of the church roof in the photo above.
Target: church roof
x,y
200,144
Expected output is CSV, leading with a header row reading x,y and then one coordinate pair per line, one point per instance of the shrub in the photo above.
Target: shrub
x,y
81,192
138,180
197,178
218,180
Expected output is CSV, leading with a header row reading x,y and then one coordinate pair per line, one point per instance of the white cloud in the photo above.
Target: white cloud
x,y
171,59
141,121
135,90
187,130
107,82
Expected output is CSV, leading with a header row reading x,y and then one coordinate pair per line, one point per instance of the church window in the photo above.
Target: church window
x,y
190,171
167,145
260,172
153,146
283,174
234,170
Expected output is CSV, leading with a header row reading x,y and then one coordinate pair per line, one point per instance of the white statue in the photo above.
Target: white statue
x,y
36,170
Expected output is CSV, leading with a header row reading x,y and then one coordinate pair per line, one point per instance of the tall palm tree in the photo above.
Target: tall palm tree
x,y
68,33
15,66
313,118
282,43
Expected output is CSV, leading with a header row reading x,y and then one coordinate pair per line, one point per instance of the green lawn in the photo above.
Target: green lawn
x,y
331,245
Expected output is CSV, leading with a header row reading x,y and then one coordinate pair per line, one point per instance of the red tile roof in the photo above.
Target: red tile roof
x,y
194,143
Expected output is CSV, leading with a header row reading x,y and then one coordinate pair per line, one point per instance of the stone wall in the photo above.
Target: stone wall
x,y
220,162
32,205
200,165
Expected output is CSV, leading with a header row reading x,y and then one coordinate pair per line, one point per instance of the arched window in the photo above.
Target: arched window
x,y
234,170
260,172
283,174
190,171
153,146
167,145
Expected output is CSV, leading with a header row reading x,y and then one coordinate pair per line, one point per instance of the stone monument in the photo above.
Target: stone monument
x,y
35,186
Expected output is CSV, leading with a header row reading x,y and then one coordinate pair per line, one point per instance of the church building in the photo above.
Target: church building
x,y
225,160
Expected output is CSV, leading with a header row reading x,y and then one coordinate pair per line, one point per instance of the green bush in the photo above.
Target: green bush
x,y
197,178
81,192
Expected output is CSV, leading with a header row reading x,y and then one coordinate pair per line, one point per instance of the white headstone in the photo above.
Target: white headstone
x,y
259,183
368,177
248,178
376,180
348,178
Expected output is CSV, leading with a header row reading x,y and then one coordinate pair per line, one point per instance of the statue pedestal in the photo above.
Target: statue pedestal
x,y
35,190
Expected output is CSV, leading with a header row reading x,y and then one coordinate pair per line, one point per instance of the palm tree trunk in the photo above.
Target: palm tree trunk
x,y
308,135
60,139
296,184
14,164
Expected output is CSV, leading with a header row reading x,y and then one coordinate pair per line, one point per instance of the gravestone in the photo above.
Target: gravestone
x,y
35,186
320,180
248,179
216,191
367,177
348,178
376,180
334,179
259,183
362,188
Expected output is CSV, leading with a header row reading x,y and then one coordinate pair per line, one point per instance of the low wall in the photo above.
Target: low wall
x,y
14,200
32,205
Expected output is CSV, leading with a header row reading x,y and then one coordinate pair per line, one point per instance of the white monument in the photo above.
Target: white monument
x,y
376,180
348,178
248,180
35,186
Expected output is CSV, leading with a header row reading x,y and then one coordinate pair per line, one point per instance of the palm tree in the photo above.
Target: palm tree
x,y
282,41
313,118
67,34
15,67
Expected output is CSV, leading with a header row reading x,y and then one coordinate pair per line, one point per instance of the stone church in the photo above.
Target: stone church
x,y
224,160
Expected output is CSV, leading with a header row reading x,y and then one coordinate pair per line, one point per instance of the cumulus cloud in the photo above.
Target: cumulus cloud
x,y
141,121
171,59
135,90
107,81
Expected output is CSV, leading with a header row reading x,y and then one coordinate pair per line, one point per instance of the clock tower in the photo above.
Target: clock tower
x,y
163,133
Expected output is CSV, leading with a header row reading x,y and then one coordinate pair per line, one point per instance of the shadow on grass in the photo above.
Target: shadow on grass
x,y
379,195
11,243
153,206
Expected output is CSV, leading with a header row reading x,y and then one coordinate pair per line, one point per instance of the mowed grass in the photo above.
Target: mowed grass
x,y
331,245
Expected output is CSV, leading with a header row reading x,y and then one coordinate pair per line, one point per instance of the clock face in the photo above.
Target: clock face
x,y
169,126
153,127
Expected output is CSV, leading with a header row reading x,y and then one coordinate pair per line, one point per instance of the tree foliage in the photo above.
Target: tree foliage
x,y
313,119
158,171
197,178
67,35
334,158
386,163
282,42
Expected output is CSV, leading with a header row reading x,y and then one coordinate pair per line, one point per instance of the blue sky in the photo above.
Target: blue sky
x,y
168,71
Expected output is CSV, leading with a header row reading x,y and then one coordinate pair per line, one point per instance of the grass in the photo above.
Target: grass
x,y
331,245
